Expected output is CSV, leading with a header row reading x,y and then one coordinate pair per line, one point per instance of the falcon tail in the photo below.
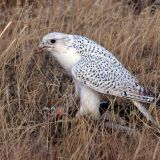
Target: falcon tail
x,y
144,111
141,98
133,96
141,95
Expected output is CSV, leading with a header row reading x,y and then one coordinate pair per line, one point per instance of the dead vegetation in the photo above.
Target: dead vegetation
x,y
29,81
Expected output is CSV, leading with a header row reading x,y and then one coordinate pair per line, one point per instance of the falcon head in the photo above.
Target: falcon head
x,y
60,46
55,42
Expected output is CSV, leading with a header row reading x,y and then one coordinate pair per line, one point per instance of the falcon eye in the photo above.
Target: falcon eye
x,y
53,41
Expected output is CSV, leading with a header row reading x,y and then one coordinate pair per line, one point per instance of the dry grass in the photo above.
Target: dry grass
x,y
28,80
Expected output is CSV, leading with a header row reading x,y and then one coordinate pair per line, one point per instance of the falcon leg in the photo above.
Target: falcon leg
x,y
89,103
144,111
77,88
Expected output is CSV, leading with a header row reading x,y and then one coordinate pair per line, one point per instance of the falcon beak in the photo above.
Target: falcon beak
x,y
40,48
41,45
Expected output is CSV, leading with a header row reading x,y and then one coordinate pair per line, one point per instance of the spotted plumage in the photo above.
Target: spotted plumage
x,y
95,70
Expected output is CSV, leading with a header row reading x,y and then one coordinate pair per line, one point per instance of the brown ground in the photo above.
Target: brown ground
x,y
28,81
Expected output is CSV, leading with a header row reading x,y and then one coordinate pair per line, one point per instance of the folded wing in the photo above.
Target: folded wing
x,y
109,77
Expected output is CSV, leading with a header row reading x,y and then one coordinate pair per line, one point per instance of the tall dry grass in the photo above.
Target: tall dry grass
x,y
27,80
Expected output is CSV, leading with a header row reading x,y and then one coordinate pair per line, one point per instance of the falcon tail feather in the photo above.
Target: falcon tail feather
x,y
141,98
132,96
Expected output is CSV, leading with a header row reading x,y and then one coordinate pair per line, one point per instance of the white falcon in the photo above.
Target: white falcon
x,y
95,70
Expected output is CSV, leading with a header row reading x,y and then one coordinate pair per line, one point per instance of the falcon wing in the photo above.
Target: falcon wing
x,y
109,77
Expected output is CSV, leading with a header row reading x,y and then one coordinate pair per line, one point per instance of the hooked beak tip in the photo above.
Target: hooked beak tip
x,y
40,48
41,45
